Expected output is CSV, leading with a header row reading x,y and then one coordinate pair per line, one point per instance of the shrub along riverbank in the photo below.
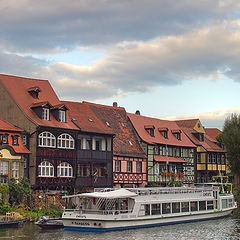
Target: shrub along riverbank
x,y
17,196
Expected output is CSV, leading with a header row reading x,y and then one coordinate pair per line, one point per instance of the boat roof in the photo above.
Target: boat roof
x,y
119,193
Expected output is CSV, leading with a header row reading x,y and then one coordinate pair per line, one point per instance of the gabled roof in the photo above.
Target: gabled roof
x,y
85,119
5,126
19,88
11,130
139,122
209,143
189,123
125,142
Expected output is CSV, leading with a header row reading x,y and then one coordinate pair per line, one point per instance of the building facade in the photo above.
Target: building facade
x,y
210,155
170,153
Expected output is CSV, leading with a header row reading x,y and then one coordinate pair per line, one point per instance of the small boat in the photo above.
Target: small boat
x,y
45,223
119,209
11,219
11,223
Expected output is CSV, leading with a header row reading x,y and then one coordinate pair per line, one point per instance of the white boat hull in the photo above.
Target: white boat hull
x,y
102,225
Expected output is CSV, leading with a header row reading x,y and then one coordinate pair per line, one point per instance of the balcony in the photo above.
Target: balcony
x,y
83,155
3,178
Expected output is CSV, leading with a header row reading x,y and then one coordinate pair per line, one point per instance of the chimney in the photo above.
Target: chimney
x,y
137,112
115,104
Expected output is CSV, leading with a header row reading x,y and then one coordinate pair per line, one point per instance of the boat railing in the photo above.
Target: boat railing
x,y
98,212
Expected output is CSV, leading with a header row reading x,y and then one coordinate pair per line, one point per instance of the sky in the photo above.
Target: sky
x,y
168,59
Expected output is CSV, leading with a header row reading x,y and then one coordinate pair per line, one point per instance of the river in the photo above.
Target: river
x,y
219,229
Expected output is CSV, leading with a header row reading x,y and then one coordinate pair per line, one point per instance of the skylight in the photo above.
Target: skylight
x,y
108,124
90,120
130,143
122,124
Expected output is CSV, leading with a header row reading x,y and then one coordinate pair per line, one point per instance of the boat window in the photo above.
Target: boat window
x,y
230,202
176,207
166,208
202,205
194,206
210,205
156,209
224,203
185,207
147,209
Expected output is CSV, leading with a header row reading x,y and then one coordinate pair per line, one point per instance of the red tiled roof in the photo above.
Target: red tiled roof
x,y
125,142
189,123
170,159
212,132
5,126
18,87
209,144
11,130
83,116
139,122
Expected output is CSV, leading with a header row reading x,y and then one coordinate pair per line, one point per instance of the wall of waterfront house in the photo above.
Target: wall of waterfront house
x,y
11,112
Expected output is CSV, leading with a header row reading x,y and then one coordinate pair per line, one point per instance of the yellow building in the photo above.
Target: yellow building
x,y
13,153
210,156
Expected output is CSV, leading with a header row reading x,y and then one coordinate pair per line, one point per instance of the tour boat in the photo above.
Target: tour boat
x,y
126,208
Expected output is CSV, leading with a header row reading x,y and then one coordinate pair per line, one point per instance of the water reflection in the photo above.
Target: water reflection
x,y
221,229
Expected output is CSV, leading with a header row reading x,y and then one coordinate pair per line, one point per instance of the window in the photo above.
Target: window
x,y
202,205
98,144
65,141
224,203
156,209
88,144
45,114
46,139
45,169
15,139
62,116
139,167
64,170
108,124
117,166
129,166
210,205
3,168
15,169
194,206
185,207
166,208
83,170
176,207
4,139
24,139
122,124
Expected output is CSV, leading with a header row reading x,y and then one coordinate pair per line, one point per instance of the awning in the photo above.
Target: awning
x,y
170,159
119,193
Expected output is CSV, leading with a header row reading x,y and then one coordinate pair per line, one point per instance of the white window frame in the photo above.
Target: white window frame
x,y
46,139
117,166
64,170
62,116
45,169
15,169
4,168
45,114
66,141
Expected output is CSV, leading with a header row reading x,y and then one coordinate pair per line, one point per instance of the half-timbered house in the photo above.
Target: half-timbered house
x,y
129,160
211,155
13,153
170,153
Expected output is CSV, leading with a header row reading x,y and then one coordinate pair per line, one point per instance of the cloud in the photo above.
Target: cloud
x,y
213,118
58,25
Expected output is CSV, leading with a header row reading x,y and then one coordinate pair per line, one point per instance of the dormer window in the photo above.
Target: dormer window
x,y
4,139
45,114
15,139
177,134
34,91
150,129
164,132
62,116
199,136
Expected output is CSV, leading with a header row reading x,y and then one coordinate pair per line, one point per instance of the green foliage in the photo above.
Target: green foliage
x,y
4,193
231,139
4,208
20,192
219,137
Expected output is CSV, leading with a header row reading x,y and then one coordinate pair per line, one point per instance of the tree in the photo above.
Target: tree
x,y
20,192
231,139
